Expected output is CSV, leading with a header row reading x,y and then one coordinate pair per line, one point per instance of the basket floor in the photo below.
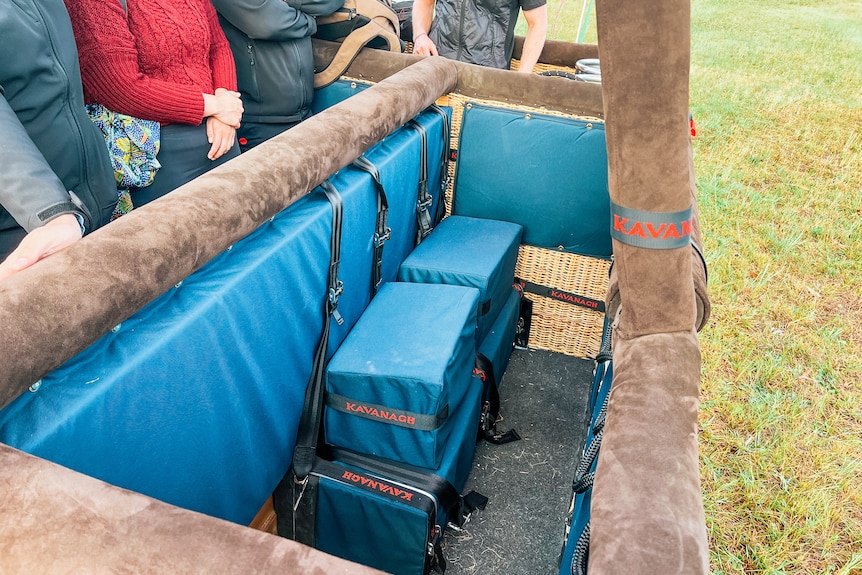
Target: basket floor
x,y
544,396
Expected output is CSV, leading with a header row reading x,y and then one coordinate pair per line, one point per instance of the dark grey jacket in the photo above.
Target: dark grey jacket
x,y
48,144
477,31
271,44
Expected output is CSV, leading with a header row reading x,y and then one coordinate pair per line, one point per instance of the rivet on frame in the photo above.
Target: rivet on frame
x,y
353,85
469,106
590,126
527,116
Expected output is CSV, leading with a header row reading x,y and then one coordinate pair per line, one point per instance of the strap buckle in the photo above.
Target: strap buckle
x,y
380,238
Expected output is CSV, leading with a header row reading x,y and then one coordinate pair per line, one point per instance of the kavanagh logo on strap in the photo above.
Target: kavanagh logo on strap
x,y
379,413
655,230
575,299
376,485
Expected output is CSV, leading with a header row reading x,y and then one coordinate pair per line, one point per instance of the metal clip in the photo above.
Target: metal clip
x,y
379,239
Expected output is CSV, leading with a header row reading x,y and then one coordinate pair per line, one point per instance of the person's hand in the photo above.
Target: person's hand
x,y
59,233
423,45
221,136
225,105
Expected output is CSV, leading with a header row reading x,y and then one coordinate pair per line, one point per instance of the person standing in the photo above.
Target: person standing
x,y
479,31
168,61
271,43
57,182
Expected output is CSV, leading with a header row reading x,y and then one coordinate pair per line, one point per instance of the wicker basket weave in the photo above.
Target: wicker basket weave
x,y
559,325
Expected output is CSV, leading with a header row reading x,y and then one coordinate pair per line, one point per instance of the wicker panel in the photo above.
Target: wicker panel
x,y
557,325
541,67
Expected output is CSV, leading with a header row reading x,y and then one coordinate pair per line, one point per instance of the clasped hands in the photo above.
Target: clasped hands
x,y
223,112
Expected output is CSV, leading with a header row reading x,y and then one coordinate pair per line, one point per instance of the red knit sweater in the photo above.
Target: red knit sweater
x,y
155,62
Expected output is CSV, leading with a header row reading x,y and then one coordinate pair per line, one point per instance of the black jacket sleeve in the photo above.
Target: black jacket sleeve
x,y
29,190
275,20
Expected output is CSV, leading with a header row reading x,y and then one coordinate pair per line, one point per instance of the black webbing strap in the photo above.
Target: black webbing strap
x,y
525,317
458,507
382,232
484,370
423,198
560,295
444,164
309,422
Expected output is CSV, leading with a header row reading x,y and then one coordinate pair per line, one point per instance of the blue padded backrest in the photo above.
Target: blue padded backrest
x,y
547,173
195,400
335,93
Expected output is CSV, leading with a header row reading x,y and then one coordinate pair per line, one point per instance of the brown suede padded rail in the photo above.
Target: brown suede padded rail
x,y
61,305
55,520
647,510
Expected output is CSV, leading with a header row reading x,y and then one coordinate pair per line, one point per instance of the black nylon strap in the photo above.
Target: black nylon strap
x,y
381,231
444,165
309,422
423,198
304,500
560,295
385,414
484,369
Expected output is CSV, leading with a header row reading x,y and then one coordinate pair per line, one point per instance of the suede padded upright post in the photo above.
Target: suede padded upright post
x,y
647,509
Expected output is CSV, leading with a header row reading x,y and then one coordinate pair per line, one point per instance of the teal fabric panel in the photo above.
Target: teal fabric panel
x,y
472,252
498,344
411,350
547,173
371,529
334,93
458,452
195,399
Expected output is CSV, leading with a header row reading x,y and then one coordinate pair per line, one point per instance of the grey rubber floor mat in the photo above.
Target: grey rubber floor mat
x,y
544,397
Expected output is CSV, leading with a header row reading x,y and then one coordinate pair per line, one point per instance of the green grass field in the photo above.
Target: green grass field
x,y
776,93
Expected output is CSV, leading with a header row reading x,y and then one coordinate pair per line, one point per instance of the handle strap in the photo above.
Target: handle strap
x,y
382,232
312,411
